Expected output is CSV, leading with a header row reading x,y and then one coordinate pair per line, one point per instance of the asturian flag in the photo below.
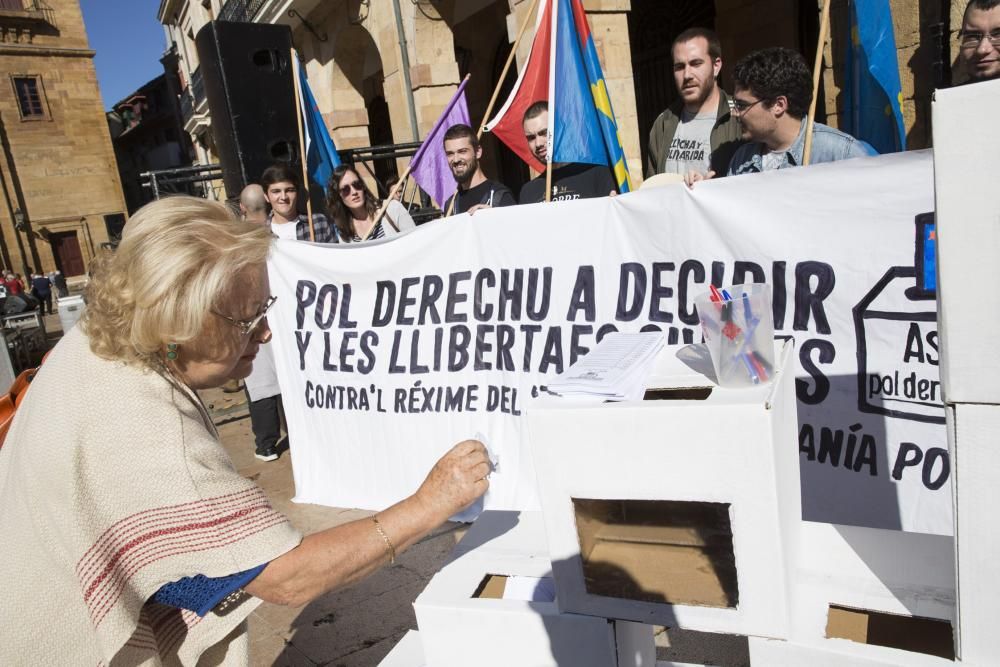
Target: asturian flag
x,y
563,69
872,93
320,153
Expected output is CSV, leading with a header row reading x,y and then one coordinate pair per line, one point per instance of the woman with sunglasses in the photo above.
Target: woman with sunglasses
x,y
133,538
354,209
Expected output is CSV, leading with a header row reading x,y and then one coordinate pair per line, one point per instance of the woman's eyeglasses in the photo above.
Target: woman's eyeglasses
x,y
247,327
345,189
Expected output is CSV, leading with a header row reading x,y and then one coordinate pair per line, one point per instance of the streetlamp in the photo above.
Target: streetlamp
x,y
19,219
21,226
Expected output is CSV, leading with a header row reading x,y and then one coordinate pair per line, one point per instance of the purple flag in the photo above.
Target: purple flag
x,y
429,167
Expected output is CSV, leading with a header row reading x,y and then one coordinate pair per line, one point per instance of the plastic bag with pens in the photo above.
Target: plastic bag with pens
x,y
739,333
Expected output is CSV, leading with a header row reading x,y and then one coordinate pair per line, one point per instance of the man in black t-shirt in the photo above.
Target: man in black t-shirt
x,y
475,191
570,180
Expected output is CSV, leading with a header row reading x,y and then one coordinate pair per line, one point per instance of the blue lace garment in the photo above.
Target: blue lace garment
x,y
200,594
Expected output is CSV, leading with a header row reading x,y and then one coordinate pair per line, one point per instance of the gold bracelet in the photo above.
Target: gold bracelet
x,y
385,538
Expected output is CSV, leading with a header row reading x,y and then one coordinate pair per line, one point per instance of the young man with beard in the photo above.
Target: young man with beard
x,y
979,40
475,191
570,180
696,136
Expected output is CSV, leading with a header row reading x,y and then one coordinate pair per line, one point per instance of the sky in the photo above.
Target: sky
x,y
129,42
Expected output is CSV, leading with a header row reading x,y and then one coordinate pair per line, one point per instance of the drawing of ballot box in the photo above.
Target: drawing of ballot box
x,y
678,511
896,324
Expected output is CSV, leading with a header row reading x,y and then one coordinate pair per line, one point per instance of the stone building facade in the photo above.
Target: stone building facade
x,y
59,187
147,135
382,70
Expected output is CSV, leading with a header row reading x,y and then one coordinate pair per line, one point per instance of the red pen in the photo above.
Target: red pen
x,y
716,296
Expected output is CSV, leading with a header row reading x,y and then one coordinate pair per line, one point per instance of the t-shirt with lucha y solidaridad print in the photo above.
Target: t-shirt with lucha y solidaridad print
x,y
691,147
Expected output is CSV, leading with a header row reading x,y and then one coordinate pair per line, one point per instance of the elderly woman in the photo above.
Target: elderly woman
x,y
129,538
354,209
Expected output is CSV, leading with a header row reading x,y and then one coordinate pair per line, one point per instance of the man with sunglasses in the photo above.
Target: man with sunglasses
x,y
771,101
979,40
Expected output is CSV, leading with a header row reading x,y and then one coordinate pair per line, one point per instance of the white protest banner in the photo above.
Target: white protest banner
x,y
388,354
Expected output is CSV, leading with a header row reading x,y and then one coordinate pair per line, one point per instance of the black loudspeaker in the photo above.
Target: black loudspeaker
x,y
247,72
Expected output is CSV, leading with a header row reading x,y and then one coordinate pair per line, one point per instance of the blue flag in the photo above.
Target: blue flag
x,y
321,155
584,122
872,93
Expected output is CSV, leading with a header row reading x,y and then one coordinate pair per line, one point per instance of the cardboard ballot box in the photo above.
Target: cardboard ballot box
x,y
675,511
409,652
464,618
968,237
973,432
837,653
864,596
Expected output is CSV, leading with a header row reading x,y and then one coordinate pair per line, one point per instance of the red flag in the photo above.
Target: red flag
x,y
532,86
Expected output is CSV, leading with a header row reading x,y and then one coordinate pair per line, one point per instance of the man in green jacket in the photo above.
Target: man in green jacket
x,y
696,136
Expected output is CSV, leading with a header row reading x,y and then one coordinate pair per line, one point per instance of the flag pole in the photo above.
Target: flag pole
x,y
506,67
302,142
550,137
548,181
385,205
496,90
824,29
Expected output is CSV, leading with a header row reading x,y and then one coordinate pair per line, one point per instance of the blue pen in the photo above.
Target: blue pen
x,y
747,313
745,358
725,295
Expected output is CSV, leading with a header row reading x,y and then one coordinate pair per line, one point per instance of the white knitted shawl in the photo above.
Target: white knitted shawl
x,y
113,483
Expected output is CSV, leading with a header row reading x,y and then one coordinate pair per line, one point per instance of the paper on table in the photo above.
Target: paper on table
x,y
616,369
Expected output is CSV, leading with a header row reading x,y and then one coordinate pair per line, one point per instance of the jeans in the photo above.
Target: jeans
x,y
265,420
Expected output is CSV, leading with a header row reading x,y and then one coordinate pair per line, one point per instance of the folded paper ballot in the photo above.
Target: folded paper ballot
x,y
617,369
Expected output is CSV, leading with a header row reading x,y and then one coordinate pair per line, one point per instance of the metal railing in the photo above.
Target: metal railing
x,y
197,86
187,105
241,10
33,10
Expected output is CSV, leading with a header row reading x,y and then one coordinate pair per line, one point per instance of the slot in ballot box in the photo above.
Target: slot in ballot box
x,y
678,511
466,615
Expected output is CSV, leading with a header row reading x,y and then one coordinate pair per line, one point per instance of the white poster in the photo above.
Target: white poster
x,y
389,353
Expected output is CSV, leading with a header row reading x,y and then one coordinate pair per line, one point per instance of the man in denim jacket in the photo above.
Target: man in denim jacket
x,y
773,93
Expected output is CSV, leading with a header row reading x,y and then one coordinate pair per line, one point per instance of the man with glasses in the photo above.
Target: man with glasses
x,y
771,101
979,40
570,180
697,135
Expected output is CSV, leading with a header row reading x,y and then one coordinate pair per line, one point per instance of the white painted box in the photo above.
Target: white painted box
x,y
864,596
464,619
834,653
409,652
967,202
674,512
973,438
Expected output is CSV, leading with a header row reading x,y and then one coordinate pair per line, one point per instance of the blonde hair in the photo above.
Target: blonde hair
x,y
177,259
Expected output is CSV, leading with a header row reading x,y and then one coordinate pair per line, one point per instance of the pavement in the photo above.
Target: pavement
x,y
358,626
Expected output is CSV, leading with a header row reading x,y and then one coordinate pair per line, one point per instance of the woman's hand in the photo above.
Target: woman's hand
x,y
341,555
456,480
